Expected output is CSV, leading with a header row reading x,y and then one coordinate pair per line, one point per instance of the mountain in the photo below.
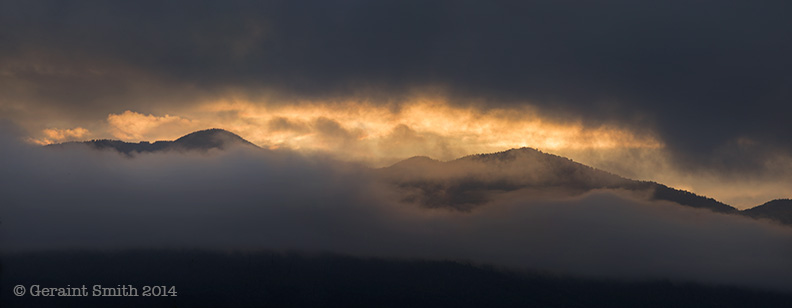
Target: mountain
x,y
471,181
474,180
779,210
203,140
271,279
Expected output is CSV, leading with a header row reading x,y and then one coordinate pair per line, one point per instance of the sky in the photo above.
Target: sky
x,y
692,94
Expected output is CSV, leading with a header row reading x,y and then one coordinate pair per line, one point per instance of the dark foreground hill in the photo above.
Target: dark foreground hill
x,y
198,141
264,279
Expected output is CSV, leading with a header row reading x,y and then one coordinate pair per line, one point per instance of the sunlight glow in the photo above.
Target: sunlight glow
x,y
357,130
376,133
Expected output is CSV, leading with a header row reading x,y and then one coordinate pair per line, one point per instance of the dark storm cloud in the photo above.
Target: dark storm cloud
x,y
262,200
702,73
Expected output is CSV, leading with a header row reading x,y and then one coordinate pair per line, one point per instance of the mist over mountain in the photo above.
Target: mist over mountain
x,y
203,140
474,180
779,210
691,97
520,210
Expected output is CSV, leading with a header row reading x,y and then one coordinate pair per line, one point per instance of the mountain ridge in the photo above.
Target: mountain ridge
x,y
470,181
779,210
475,176
202,140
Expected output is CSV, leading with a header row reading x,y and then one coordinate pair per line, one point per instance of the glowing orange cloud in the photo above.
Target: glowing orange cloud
x,y
381,134
361,131
53,135
136,126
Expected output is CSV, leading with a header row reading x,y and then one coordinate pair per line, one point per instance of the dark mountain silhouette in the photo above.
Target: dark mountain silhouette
x,y
211,138
779,210
270,279
474,180
204,140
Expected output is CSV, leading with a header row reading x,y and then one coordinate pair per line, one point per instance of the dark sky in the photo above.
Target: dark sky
x,y
711,78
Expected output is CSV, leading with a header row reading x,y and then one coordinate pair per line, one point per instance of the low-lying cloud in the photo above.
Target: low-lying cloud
x,y
132,125
82,199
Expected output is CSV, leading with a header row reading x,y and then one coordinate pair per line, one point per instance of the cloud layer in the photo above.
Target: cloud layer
x,y
76,199
710,78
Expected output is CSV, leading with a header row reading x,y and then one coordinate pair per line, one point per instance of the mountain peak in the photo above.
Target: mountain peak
x,y
210,132
508,155
472,180
210,138
779,210
415,161
203,140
